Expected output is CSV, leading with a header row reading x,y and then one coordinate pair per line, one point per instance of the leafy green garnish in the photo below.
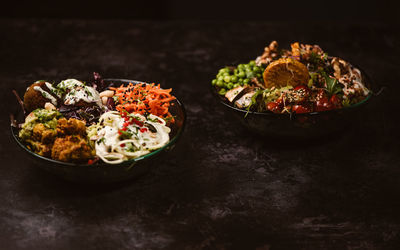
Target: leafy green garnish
x,y
313,79
332,85
254,100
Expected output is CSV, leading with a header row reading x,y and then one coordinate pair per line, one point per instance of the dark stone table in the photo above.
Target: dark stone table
x,y
222,187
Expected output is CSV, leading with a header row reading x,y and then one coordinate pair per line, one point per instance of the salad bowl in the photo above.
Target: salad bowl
x,y
302,125
101,172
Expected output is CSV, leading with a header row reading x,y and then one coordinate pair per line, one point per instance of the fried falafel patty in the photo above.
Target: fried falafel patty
x,y
37,95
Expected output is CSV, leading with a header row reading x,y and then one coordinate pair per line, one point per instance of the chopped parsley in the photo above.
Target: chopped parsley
x,y
101,140
153,120
170,118
125,134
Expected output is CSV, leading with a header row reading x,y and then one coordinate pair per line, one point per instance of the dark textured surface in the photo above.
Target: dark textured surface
x,y
222,187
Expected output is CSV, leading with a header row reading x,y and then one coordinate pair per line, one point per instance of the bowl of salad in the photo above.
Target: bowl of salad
x,y
104,130
300,92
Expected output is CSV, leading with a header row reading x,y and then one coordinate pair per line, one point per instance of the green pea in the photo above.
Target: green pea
x,y
227,78
242,74
236,85
230,85
234,78
222,91
220,83
214,81
252,63
240,80
259,75
221,71
225,74
256,69
249,74
246,81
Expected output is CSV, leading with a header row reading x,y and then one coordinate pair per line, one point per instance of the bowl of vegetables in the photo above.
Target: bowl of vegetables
x,y
301,92
107,130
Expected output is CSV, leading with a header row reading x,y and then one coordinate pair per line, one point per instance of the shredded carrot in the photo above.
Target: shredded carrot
x,y
144,98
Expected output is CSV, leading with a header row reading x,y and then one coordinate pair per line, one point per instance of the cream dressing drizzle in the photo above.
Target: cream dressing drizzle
x,y
77,91
46,95
52,89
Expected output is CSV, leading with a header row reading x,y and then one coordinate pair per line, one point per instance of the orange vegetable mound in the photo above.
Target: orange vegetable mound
x,y
144,98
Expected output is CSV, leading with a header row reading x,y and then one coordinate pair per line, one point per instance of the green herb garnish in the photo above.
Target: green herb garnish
x,y
254,100
116,99
101,140
332,85
168,119
125,134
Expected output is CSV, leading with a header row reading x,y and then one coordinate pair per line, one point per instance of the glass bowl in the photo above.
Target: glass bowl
x,y
300,126
103,172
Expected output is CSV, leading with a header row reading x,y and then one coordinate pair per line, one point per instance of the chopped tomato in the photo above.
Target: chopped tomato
x,y
301,109
274,107
336,101
301,93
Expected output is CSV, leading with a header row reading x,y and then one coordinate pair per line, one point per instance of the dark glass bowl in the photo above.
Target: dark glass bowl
x,y
300,126
103,172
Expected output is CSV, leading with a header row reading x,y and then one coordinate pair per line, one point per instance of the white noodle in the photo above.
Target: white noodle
x,y
111,149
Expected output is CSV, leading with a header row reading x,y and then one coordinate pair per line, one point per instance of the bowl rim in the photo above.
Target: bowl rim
x,y
131,162
290,115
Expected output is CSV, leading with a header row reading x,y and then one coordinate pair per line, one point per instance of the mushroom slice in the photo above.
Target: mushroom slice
x,y
245,100
233,93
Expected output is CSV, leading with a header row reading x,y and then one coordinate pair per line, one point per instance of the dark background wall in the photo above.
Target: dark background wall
x,y
279,10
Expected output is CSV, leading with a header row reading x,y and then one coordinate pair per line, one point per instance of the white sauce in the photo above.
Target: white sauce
x,y
69,84
86,94
46,95
77,91
52,89
111,149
